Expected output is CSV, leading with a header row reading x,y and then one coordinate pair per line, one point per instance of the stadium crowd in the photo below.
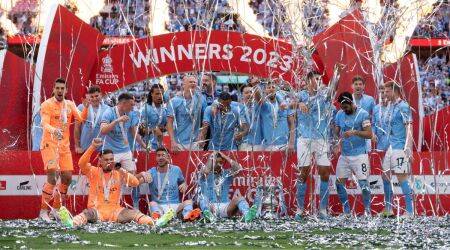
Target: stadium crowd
x,y
435,81
437,26
193,15
123,18
197,15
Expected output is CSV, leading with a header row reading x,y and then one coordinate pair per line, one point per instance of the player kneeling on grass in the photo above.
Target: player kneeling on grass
x,y
215,181
165,182
105,182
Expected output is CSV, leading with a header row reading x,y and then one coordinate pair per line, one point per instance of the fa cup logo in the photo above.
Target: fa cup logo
x,y
106,65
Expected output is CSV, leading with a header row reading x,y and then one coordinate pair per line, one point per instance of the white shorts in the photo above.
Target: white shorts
x,y
396,160
307,147
126,159
272,148
250,147
220,209
359,165
165,207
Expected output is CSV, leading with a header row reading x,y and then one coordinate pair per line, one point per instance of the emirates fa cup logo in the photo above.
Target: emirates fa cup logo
x,y
106,65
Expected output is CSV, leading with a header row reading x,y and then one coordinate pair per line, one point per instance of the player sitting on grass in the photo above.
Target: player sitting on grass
x,y
215,181
105,182
165,182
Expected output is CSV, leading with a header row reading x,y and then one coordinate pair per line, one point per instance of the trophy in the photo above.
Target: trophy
x,y
270,205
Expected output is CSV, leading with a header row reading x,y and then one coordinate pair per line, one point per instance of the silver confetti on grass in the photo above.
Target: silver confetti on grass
x,y
342,231
197,243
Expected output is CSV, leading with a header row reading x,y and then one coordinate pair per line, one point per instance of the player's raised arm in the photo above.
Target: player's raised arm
x,y
207,168
84,161
107,127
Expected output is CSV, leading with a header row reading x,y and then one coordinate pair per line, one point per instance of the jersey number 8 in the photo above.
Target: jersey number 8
x,y
364,167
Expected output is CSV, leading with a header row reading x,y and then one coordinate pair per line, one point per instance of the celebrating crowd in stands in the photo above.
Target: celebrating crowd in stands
x,y
435,82
126,18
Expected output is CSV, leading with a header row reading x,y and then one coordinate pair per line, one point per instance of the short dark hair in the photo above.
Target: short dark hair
x,y
60,80
270,82
225,96
311,74
345,98
358,78
106,151
162,149
252,76
93,89
212,76
125,96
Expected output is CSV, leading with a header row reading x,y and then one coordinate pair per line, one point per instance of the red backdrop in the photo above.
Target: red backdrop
x,y
15,82
69,48
22,176
191,51
437,131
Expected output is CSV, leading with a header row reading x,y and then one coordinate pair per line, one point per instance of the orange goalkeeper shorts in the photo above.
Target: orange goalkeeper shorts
x,y
109,213
55,160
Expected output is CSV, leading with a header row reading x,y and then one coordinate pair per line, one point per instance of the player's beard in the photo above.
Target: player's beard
x,y
348,112
158,102
95,103
162,164
107,168
217,169
224,109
